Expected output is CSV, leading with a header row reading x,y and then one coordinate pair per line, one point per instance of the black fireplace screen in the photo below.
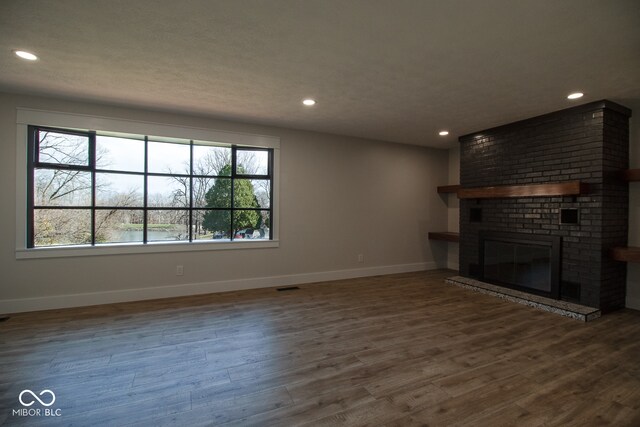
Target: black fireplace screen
x,y
528,263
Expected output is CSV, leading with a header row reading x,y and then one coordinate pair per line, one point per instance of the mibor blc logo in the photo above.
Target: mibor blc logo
x,y
45,398
34,397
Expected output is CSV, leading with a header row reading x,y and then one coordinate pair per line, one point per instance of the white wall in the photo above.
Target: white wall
x,y
340,197
633,269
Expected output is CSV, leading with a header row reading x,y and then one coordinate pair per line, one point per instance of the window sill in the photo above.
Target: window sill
x,y
136,248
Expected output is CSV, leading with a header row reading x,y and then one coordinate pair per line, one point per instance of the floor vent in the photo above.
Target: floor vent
x,y
288,288
4,319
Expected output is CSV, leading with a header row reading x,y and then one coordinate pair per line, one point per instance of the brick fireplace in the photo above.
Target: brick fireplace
x,y
587,145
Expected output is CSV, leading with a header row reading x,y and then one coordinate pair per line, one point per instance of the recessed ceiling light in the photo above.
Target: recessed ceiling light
x,y
443,133
309,102
25,55
575,95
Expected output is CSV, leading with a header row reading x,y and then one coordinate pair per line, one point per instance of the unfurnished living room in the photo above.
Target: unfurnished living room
x,y
333,212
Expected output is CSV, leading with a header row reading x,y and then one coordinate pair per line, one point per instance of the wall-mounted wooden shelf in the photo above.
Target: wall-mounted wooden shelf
x,y
626,254
446,236
571,188
631,175
448,189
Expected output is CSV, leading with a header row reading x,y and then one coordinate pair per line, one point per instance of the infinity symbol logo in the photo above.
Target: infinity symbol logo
x,y
34,396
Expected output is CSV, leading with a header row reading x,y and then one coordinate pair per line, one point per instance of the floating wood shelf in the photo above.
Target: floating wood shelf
x,y
447,236
630,175
448,189
571,188
629,254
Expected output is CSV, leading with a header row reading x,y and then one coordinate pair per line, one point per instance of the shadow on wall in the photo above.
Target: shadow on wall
x,y
440,252
633,286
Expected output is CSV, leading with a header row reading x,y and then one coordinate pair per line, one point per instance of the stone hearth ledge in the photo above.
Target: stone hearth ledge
x,y
563,308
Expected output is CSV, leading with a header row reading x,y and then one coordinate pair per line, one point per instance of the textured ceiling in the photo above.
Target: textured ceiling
x,y
392,70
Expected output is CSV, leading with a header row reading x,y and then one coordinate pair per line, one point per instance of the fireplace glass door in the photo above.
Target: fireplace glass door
x,y
520,265
529,264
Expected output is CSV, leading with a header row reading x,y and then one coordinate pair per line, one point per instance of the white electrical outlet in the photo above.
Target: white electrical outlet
x,y
179,270
360,258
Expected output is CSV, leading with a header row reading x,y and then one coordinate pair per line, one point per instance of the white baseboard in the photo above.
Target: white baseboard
x,y
633,303
108,297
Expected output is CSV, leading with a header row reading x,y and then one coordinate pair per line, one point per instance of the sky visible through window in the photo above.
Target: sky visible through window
x,y
125,154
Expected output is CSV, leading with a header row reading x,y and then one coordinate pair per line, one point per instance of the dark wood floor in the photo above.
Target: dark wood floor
x,y
399,350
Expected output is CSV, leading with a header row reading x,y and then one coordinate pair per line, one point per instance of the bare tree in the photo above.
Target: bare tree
x,y
55,186
59,186
249,163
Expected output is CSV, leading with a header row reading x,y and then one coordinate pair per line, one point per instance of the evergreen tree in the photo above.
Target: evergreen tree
x,y
219,196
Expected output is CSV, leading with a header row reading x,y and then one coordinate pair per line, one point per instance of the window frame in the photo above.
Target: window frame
x,y
30,120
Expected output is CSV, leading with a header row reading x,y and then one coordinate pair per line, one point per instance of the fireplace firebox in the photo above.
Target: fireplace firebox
x,y
526,262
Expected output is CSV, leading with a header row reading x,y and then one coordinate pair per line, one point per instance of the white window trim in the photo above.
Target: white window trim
x,y
26,117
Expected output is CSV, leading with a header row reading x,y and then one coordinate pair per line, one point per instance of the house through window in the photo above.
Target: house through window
x,y
98,188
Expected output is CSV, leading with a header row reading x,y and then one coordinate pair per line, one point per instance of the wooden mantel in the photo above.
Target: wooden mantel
x,y
571,188
626,254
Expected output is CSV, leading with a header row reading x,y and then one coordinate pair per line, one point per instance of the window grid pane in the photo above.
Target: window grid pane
x,y
119,226
62,148
61,187
61,227
119,154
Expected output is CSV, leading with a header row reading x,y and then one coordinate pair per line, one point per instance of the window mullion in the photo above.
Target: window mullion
x,y
32,154
233,178
92,167
270,167
145,211
191,192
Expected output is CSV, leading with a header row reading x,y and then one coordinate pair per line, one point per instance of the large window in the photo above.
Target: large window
x,y
100,188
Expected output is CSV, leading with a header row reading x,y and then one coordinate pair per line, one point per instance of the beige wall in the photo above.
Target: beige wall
x,y
339,197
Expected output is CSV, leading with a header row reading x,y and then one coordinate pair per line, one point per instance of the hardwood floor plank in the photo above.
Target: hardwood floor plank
x,y
414,395
294,361
313,409
471,379
219,411
378,412
624,391
68,364
175,371
508,416
158,355
595,414
125,413
477,403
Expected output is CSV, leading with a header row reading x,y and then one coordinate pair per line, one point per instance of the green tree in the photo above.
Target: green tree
x,y
219,196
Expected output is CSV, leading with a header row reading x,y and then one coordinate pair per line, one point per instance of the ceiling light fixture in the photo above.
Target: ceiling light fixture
x,y
443,133
25,55
575,95
309,102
